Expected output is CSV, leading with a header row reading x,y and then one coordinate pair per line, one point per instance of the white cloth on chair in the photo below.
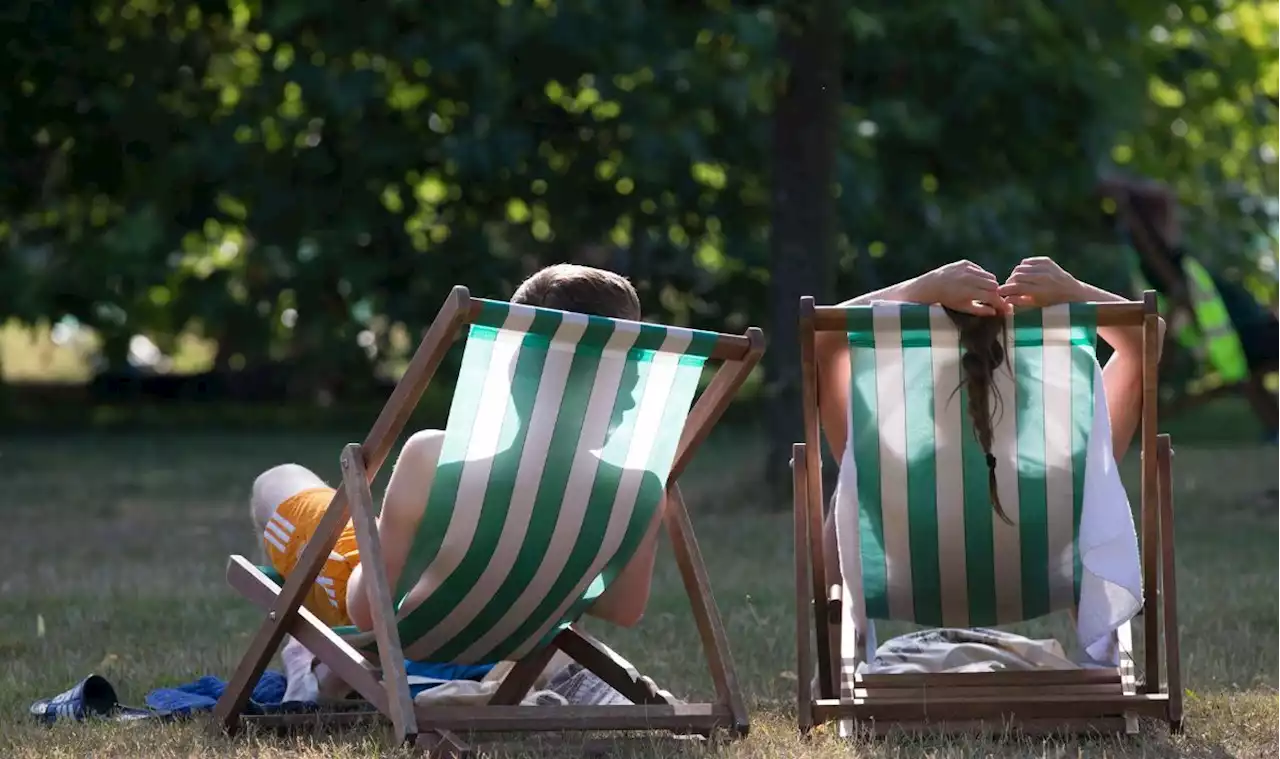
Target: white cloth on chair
x,y
1111,588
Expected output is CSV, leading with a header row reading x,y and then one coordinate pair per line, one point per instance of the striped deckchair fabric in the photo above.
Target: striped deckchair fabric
x,y
918,538
933,550
565,435
555,457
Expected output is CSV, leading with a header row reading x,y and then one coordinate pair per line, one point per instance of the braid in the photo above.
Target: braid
x,y
983,340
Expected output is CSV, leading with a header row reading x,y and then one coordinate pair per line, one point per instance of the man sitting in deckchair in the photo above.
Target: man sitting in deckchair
x,y
968,289
289,500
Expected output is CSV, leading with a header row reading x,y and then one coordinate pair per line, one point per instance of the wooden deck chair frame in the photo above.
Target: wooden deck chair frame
x,y
436,729
1052,701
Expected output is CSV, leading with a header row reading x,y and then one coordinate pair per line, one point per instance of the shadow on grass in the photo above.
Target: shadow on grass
x,y
116,545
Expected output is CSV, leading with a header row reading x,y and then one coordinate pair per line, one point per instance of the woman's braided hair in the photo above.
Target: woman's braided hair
x,y
984,340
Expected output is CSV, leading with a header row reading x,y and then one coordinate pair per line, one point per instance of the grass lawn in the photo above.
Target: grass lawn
x,y
115,546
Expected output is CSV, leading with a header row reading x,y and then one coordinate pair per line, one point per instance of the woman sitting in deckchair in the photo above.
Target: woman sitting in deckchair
x,y
971,293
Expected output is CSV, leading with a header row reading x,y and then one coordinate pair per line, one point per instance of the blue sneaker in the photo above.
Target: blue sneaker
x,y
91,697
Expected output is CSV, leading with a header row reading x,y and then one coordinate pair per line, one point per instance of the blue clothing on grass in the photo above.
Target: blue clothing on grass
x,y
268,694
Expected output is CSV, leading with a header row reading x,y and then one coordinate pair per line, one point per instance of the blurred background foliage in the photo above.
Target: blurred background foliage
x,y
300,183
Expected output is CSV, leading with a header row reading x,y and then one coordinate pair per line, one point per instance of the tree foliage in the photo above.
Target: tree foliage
x,y
296,179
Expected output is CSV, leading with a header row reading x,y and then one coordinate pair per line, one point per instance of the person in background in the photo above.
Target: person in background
x,y
1149,212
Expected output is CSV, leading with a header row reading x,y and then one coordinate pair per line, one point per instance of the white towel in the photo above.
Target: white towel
x,y
1111,588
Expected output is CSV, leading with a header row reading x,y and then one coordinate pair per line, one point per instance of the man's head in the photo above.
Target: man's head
x,y
586,290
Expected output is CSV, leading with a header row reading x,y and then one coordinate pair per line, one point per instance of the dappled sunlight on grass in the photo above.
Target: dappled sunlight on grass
x,y
117,546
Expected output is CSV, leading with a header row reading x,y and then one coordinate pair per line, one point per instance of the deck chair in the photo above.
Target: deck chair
x,y
564,433
919,542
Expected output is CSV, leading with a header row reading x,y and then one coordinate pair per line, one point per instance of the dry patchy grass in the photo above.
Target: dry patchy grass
x,y
118,543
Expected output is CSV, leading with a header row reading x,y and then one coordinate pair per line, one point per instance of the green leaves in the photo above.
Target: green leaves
x,y
364,158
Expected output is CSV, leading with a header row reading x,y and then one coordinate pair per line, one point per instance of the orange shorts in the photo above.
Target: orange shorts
x,y
287,532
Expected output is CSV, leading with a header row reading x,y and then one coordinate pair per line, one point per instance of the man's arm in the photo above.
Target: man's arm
x,y
402,510
624,601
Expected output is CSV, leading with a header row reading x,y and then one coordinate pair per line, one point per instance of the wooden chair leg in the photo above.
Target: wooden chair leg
x,y
1149,544
1169,582
828,663
386,428
355,482
1128,673
615,671
834,621
815,497
804,596
285,608
345,661
521,678
715,644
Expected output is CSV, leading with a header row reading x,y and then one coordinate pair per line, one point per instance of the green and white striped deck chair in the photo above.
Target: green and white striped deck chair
x,y
919,540
564,434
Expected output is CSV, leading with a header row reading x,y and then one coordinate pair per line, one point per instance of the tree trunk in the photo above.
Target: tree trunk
x,y
803,222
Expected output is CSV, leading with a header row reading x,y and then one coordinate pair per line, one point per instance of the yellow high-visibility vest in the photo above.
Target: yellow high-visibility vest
x,y
1226,352
1208,334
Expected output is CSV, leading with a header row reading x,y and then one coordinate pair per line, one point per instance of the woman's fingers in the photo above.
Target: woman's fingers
x,y
987,285
992,299
985,295
1021,285
974,300
969,269
986,292
975,308
973,290
978,270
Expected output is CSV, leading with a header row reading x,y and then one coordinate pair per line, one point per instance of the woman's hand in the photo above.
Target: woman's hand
x,y
961,286
1040,282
